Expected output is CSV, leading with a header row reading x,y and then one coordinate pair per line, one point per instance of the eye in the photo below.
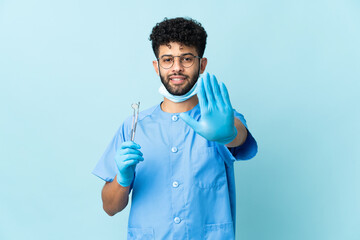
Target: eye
x,y
187,58
167,59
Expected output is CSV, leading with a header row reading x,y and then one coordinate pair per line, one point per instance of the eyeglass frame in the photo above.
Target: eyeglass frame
x,y
169,55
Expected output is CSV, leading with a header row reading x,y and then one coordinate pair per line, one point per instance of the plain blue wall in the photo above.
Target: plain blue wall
x,y
69,71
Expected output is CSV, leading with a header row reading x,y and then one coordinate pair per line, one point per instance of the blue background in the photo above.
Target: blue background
x,y
69,71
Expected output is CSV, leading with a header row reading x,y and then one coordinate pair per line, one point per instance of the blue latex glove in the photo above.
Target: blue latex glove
x,y
217,115
126,159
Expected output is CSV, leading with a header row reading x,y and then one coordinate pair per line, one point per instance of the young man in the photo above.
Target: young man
x,y
180,169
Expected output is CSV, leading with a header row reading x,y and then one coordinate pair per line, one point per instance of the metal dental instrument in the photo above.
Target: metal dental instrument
x,y
136,107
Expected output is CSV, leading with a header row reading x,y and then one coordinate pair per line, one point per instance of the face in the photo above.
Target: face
x,y
178,80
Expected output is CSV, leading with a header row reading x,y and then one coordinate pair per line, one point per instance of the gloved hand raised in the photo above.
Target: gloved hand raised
x,y
126,159
217,115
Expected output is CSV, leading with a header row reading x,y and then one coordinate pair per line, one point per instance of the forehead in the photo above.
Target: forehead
x,y
175,48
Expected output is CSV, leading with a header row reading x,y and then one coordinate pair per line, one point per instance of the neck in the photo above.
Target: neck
x,y
173,107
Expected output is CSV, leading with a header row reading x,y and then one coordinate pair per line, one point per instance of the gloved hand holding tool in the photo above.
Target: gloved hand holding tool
x,y
126,159
129,155
217,115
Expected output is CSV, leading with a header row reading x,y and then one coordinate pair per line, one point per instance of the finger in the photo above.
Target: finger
x,y
120,158
129,151
189,121
130,157
208,91
225,95
130,163
130,144
201,94
217,93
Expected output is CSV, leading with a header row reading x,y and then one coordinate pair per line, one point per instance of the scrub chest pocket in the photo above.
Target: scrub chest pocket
x,y
208,168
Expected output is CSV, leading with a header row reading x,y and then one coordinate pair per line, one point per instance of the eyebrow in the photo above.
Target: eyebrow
x,y
169,55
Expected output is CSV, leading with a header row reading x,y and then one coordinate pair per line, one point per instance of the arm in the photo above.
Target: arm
x,y
115,197
115,194
241,134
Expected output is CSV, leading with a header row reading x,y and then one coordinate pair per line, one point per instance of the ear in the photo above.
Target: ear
x,y
156,67
203,65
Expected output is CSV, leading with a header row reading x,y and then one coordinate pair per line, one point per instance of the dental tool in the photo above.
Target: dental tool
x,y
136,107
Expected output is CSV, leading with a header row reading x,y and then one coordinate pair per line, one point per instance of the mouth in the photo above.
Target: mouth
x,y
177,79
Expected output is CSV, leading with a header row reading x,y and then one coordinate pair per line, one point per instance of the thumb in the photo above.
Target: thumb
x,y
189,121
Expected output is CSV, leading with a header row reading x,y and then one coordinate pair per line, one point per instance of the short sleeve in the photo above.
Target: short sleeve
x,y
106,167
246,151
249,148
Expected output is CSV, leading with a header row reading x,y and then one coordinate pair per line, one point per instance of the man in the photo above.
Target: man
x,y
180,169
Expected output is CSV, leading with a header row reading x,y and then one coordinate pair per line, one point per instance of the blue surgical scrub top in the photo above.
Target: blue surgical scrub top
x,y
185,187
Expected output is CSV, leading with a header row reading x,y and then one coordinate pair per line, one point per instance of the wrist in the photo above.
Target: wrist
x,y
123,182
229,139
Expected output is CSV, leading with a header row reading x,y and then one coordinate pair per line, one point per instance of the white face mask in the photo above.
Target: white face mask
x,y
174,98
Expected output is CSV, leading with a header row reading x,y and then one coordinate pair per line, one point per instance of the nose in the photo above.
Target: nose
x,y
177,67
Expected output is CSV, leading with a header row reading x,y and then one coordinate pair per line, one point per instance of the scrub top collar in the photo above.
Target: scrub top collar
x,y
192,112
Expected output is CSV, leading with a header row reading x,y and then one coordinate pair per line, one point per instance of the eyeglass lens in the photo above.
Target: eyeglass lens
x,y
186,60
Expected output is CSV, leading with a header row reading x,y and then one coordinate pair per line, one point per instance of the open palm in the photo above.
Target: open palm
x,y
217,115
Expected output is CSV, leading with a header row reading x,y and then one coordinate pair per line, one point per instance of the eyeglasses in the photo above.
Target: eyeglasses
x,y
186,60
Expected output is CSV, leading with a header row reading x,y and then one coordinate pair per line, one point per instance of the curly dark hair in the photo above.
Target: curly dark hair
x,y
182,30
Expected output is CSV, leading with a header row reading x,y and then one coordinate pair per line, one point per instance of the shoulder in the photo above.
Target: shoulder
x,y
237,114
142,114
148,112
240,117
125,128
